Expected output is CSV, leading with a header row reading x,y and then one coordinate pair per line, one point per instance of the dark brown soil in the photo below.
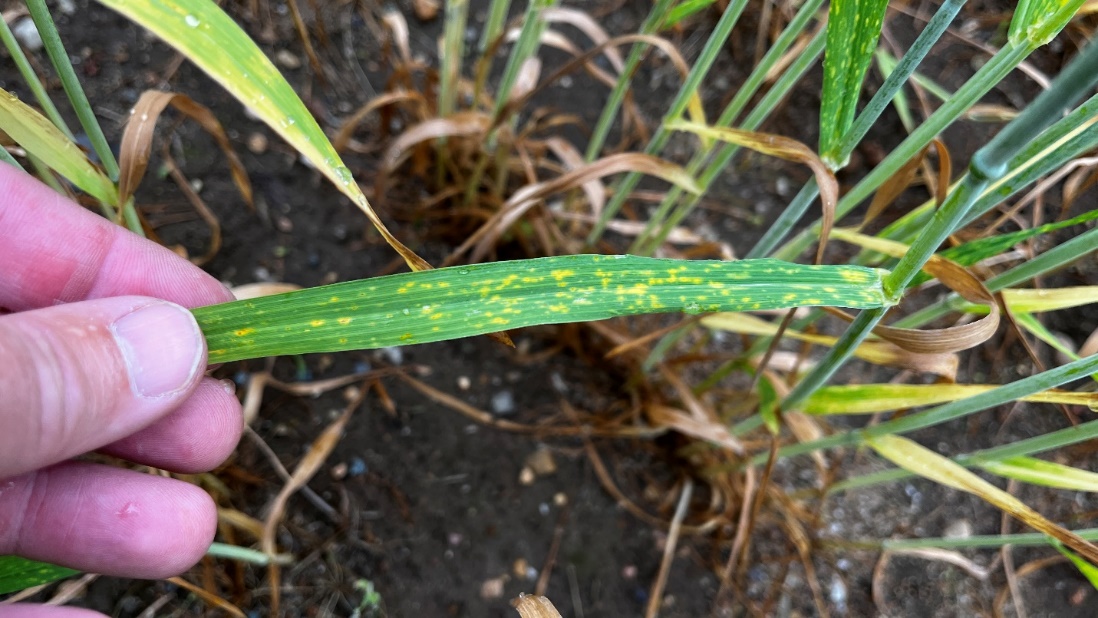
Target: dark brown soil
x,y
429,504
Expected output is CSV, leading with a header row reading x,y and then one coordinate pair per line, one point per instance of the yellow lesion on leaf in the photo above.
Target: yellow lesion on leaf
x,y
559,308
243,332
317,323
853,276
344,321
406,336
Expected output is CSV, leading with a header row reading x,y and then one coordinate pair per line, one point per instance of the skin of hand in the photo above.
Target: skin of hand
x,y
97,353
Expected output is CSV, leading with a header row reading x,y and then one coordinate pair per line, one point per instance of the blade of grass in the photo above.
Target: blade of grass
x,y
1040,472
42,139
874,398
979,541
952,410
924,462
852,32
892,85
453,53
18,573
713,45
468,300
55,49
31,79
202,32
1030,446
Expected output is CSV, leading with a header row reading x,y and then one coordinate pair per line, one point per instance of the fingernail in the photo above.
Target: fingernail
x,y
162,347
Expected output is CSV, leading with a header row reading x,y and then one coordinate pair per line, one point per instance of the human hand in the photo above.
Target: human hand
x,y
96,356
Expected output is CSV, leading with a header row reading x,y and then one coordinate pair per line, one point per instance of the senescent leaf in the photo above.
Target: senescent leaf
x,y
1040,472
926,463
462,301
39,137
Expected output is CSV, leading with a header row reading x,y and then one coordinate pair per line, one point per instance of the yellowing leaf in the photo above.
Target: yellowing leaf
x,y
873,351
784,148
209,38
39,137
914,458
1040,472
870,398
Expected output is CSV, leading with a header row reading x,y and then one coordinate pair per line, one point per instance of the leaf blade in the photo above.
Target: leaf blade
x,y
209,38
19,573
462,301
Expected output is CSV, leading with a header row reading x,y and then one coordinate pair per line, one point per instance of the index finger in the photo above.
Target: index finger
x,y
53,251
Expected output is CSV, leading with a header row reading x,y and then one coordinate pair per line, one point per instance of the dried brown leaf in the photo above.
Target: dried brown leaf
x,y
586,24
707,430
784,148
317,454
572,159
462,124
527,197
137,139
892,188
529,606
945,172
207,597
347,130
398,28
953,276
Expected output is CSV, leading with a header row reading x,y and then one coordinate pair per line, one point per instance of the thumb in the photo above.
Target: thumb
x,y
79,376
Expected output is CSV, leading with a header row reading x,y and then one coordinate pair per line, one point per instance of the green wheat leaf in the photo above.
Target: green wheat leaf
x,y
19,573
463,301
1036,22
208,37
852,32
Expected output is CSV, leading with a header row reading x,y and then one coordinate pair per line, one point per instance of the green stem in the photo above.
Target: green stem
x,y
993,72
989,163
690,86
660,221
625,80
60,59
968,542
853,136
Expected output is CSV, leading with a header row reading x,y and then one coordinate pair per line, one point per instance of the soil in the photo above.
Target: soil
x,y
433,508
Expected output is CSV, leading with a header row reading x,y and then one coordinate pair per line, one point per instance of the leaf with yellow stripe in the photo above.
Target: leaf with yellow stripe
x,y
922,461
462,301
873,398
201,31
39,137
853,27
19,573
1040,472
